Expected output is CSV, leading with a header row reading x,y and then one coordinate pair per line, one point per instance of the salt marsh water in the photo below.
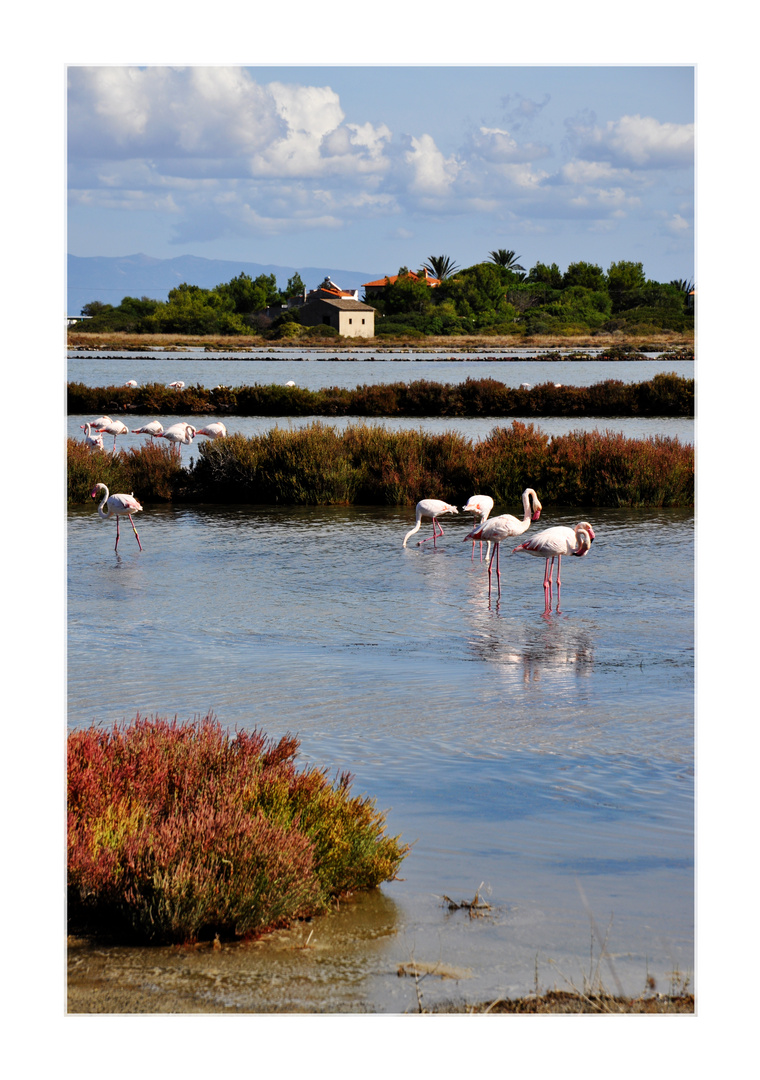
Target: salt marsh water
x,y
315,370
549,758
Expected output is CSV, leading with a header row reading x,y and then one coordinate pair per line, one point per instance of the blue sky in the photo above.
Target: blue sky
x,y
373,167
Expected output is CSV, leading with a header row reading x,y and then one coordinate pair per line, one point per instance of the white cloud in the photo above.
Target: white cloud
x,y
637,141
432,173
497,145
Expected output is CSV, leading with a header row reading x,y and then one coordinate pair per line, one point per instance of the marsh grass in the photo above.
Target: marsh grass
x,y
372,466
177,831
663,395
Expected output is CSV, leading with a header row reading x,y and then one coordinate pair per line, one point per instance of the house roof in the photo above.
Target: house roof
x,y
433,282
342,303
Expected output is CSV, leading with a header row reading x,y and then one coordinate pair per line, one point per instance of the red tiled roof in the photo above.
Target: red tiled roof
x,y
427,278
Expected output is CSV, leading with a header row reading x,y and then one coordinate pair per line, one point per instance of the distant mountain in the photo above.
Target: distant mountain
x,y
111,279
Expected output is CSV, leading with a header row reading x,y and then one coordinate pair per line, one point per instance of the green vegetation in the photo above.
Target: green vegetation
x,y
664,395
368,465
494,298
179,831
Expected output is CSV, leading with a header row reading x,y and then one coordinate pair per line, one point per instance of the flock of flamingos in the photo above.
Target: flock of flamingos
x,y
550,544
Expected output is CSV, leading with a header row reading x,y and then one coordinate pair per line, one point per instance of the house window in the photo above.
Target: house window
x,y
350,321
362,322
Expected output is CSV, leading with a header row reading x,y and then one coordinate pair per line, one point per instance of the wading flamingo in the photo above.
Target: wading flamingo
x,y
554,543
131,382
94,442
482,505
178,433
113,427
178,385
118,505
213,431
430,508
502,527
155,427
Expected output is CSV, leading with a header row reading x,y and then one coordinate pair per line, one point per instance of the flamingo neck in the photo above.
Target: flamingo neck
x,y
103,501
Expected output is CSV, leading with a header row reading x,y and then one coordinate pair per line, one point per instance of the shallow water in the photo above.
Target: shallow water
x,y
317,370
548,757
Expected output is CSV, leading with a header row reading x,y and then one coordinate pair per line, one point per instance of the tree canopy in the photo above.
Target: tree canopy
x,y
493,297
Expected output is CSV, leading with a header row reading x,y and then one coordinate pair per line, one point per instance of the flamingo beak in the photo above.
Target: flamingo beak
x,y
536,516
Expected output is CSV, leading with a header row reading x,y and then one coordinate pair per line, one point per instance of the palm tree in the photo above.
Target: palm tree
x,y
507,259
440,266
684,286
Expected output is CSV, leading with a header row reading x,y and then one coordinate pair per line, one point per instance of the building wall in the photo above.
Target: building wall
x,y
356,323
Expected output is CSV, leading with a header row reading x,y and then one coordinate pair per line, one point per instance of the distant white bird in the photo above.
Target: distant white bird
x,y
482,505
554,543
130,382
178,433
501,527
117,505
430,508
213,431
178,385
94,442
155,427
291,383
113,427
525,386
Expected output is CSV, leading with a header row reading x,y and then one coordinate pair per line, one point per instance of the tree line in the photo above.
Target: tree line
x,y
497,296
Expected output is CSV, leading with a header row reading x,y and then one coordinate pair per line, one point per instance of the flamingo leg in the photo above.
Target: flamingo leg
x,y
490,561
559,583
433,537
498,570
117,533
134,529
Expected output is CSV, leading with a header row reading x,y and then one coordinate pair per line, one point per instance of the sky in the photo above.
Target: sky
x,y
373,167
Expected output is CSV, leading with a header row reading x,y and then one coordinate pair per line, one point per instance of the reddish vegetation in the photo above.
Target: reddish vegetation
x,y
180,830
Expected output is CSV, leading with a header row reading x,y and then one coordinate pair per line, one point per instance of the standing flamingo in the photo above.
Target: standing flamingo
x,y
177,385
131,382
482,505
554,543
117,505
430,508
94,442
502,527
154,428
113,427
213,431
179,433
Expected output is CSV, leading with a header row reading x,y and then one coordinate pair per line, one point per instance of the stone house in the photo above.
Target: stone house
x,y
350,318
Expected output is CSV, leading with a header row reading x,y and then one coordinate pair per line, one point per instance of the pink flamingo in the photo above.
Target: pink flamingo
x,y
213,431
430,508
178,385
130,382
178,433
113,427
482,505
502,527
155,427
117,505
554,543
94,442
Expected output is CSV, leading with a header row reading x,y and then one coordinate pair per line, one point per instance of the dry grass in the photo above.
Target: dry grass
x,y
142,342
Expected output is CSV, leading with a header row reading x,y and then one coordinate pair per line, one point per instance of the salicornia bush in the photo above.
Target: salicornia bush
x,y
182,831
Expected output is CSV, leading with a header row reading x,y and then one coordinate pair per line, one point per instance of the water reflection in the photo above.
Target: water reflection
x,y
555,650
